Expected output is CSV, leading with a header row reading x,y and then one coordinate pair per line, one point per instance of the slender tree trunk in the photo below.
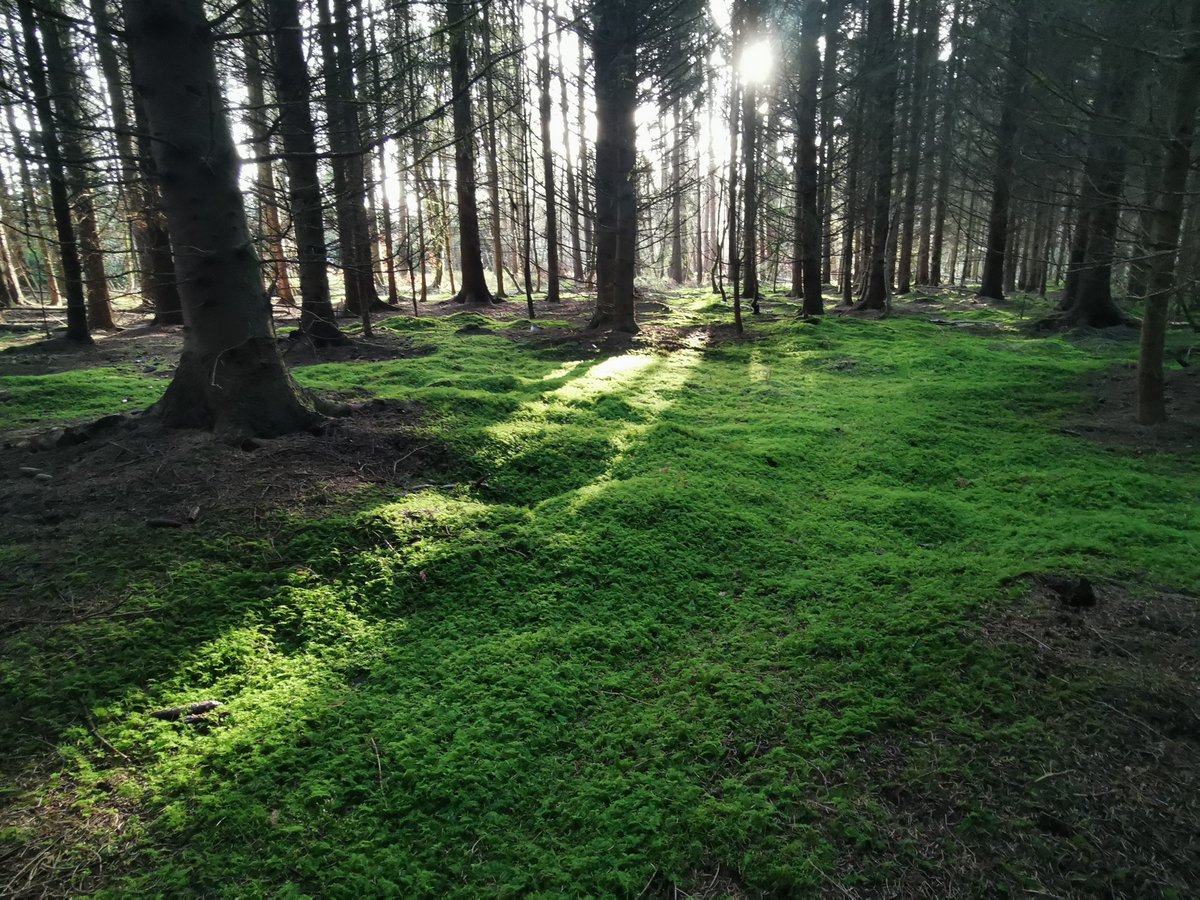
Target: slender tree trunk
x,y
296,130
923,48
750,127
77,318
829,92
493,152
676,181
806,135
66,81
992,286
945,151
572,187
231,377
545,104
264,176
158,276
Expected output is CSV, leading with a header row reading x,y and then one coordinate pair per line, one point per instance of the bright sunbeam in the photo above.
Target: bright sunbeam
x,y
756,62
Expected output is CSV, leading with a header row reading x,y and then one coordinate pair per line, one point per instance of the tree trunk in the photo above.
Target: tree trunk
x,y
493,153
136,195
158,275
881,37
992,286
231,377
829,92
1092,302
572,186
749,261
1151,391
296,131
614,52
809,224
545,104
349,174
679,138
77,318
474,289
66,81
264,177
946,151
923,47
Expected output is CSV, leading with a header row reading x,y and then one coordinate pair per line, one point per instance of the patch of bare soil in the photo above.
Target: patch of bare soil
x,y
1110,415
154,351
1104,802
135,474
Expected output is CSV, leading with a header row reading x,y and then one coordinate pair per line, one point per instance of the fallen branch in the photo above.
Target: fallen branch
x,y
187,713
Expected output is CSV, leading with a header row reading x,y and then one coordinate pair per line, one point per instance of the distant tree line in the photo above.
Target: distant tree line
x,y
205,160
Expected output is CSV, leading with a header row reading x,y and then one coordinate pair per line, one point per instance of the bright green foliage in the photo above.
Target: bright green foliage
x,y
695,596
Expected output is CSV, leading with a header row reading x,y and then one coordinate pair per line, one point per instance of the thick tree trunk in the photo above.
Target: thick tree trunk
x,y
1092,303
992,286
231,377
881,36
614,51
1151,391
77,317
296,131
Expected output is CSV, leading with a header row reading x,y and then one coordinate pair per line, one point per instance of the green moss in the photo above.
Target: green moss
x,y
69,396
688,599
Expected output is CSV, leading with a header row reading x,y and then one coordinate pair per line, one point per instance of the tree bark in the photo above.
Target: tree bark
x,y
231,377
946,151
77,317
614,52
544,106
1168,217
808,210
881,37
66,81
1104,179
264,177
296,132
992,286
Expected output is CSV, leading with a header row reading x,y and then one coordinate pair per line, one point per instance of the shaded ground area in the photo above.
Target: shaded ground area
x,y
688,613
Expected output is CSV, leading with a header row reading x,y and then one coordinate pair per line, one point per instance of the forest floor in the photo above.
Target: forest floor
x,y
690,613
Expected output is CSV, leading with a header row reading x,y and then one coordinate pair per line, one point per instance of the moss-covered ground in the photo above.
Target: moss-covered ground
x,y
712,620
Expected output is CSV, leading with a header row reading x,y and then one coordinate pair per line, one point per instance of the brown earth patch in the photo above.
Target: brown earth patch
x,y
1109,416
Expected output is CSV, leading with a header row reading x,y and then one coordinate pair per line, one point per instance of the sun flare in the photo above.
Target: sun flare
x,y
756,62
